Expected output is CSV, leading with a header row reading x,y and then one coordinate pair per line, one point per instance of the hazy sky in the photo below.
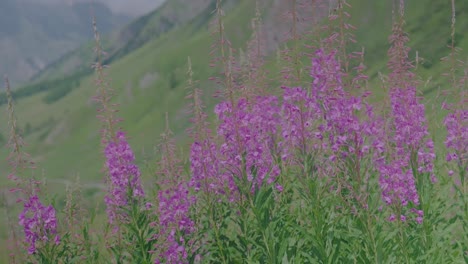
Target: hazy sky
x,y
129,7
132,7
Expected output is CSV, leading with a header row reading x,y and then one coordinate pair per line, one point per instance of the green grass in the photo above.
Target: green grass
x,y
143,113
64,134
70,151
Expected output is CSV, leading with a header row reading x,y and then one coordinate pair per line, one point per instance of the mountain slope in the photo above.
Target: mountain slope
x,y
33,34
132,36
64,134
149,81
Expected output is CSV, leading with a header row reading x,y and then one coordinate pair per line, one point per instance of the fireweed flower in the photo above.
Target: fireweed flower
x,y
249,131
338,110
412,150
457,137
174,203
327,119
39,223
398,184
174,221
324,102
205,168
124,176
411,134
326,72
298,114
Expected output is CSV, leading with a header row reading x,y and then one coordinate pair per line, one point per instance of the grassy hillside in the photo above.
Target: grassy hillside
x,y
59,28
148,73
131,37
149,81
64,135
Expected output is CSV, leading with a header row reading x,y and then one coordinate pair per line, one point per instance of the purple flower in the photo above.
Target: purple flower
x,y
174,205
326,119
344,126
175,253
457,137
419,219
397,184
298,114
411,149
411,134
174,220
249,131
419,215
279,188
124,176
39,222
403,218
206,169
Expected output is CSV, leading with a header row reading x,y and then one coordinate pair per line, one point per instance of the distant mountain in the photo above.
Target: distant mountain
x,y
133,8
169,16
148,64
33,34
130,37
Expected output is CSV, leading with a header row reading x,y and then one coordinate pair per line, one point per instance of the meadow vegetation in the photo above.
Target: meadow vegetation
x,y
305,158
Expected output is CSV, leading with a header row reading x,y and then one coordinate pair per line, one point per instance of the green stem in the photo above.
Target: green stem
x,y
402,239
372,237
270,256
217,236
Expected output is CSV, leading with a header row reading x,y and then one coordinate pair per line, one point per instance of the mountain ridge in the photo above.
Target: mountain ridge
x,y
35,34
57,117
150,80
